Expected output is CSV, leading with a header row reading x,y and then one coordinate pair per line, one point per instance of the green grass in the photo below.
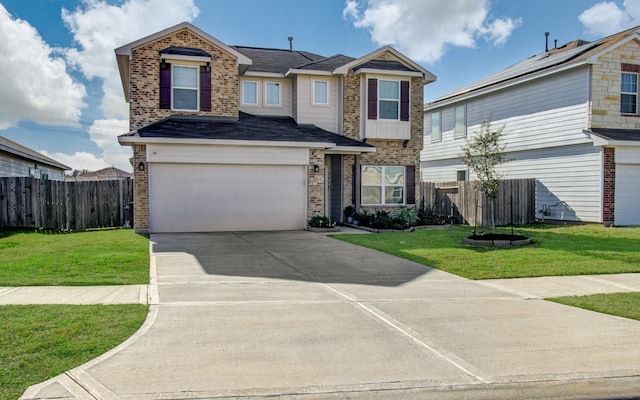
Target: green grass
x,y
102,257
558,250
40,342
620,304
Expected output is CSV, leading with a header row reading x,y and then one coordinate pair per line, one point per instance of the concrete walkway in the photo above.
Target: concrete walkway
x,y
299,315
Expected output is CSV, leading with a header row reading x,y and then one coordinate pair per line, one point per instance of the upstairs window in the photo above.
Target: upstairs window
x,y
250,93
436,127
321,93
629,93
387,100
272,94
460,128
185,88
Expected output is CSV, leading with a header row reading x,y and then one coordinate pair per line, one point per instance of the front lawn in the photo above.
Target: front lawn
x,y
558,250
102,257
40,342
620,304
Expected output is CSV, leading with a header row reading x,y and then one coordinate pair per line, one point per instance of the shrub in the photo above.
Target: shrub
x,y
427,215
407,217
382,220
319,221
365,217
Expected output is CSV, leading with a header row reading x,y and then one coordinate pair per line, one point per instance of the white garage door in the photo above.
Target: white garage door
x,y
627,207
208,197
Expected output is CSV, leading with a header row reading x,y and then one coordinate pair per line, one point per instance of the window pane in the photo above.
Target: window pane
x,y
629,83
389,90
185,77
250,92
394,175
394,194
320,92
460,127
388,109
435,126
628,103
371,175
185,99
371,195
273,94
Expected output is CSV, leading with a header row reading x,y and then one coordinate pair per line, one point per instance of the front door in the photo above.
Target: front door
x,y
333,188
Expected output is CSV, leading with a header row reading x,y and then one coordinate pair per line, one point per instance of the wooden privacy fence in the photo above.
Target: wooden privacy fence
x,y
36,203
462,203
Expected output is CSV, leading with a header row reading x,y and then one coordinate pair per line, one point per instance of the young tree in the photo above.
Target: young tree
x,y
482,154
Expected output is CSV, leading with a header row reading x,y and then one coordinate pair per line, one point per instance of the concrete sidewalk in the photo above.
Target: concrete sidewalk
x,y
117,294
296,315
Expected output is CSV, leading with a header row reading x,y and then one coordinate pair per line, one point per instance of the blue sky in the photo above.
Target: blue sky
x,y
61,92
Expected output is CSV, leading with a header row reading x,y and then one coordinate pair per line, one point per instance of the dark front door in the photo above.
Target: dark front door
x,y
333,193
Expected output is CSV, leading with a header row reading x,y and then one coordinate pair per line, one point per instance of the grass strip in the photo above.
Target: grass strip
x,y
101,257
40,342
625,305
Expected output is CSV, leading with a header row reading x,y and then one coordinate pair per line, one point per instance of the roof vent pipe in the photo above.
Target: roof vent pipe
x,y
290,43
546,42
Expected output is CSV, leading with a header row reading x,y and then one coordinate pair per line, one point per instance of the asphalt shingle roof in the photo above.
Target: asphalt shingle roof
x,y
618,134
19,150
185,51
328,64
387,65
246,127
276,60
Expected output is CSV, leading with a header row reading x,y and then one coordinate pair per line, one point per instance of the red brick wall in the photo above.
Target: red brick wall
x,y
608,186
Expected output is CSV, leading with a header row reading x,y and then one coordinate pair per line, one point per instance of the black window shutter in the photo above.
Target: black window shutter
x,y
404,100
372,99
410,179
165,85
205,88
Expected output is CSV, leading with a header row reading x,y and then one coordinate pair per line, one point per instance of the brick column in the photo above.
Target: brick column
x,y
315,184
609,186
140,189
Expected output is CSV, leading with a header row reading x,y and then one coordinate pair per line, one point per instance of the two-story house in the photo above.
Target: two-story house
x,y
571,120
242,138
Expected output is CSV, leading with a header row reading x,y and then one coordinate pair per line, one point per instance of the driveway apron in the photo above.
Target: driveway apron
x,y
300,314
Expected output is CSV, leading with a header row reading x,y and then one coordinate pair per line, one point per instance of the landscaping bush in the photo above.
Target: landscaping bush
x,y
319,221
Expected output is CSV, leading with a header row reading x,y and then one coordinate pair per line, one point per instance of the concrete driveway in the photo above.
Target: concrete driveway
x,y
300,315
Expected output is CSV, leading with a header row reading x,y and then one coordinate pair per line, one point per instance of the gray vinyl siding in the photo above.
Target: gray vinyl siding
x,y
14,167
543,130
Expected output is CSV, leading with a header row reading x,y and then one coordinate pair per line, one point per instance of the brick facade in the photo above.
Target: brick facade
x,y
145,79
140,189
605,88
609,186
315,183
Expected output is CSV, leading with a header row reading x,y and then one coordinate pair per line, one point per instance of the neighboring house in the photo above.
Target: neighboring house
x,y
242,138
17,160
571,121
105,174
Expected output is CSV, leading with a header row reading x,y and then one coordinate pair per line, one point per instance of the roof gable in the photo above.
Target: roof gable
x,y
573,54
402,60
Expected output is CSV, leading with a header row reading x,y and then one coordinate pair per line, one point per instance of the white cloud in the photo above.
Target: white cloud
x,y
35,84
423,30
80,160
607,18
98,28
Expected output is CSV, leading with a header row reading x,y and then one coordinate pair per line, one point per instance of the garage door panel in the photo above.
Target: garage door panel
x,y
627,207
208,197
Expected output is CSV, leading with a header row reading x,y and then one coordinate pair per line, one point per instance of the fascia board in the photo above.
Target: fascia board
x,y
350,150
129,140
594,58
184,58
387,72
294,71
264,74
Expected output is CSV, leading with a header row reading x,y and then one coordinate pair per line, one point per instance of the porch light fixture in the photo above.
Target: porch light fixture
x,y
316,168
141,166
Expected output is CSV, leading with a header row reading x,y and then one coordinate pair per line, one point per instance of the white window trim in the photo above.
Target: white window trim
x,y
382,187
385,99
439,136
464,127
266,102
243,101
313,93
631,93
197,89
